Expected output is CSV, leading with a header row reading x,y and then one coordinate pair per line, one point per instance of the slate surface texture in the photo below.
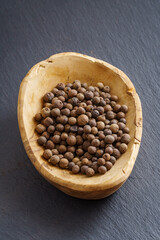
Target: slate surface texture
x,y
124,33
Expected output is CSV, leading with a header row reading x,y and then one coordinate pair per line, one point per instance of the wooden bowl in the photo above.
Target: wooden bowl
x,y
66,67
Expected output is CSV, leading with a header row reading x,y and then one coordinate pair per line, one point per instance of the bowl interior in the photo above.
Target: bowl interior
x,y
66,68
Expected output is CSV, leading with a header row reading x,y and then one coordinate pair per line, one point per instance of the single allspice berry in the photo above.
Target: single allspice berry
x,y
47,154
82,120
90,172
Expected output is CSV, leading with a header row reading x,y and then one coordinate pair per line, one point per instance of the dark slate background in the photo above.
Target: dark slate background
x,y
124,33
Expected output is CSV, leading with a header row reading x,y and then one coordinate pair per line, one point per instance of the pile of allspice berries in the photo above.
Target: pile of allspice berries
x,y
82,128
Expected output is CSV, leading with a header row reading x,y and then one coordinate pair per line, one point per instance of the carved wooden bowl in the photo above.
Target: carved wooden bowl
x,y
66,67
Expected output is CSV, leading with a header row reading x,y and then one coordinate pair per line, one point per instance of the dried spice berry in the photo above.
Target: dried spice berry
x,y
83,128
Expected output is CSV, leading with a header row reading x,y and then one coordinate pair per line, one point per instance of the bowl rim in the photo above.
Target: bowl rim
x,y
43,169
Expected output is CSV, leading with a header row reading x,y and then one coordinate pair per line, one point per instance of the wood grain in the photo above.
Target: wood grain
x,y
66,67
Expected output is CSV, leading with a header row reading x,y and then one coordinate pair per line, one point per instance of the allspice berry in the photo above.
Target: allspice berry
x,y
123,147
75,169
102,169
63,163
71,140
47,154
125,138
114,128
82,128
82,120
90,172
54,159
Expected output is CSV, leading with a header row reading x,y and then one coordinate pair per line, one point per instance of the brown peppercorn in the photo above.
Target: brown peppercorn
x,y
79,152
49,145
109,150
108,165
59,127
82,120
90,172
102,169
112,160
80,96
101,118
55,90
123,147
38,117
88,114
101,161
75,169
63,98
116,153
73,113
72,120
121,125
71,149
88,155
113,103
117,108
63,163
69,156
126,130
125,138
56,139
40,128
57,103
101,136
72,93
107,132
88,95
69,106
71,140
64,136
74,101
123,120
41,140
62,119
120,115
75,160
114,121
47,153
114,128
106,89
54,160
102,102
86,144
51,129
118,144
60,94
46,135
89,108
109,139
94,130
55,112
55,151
99,153
92,149
95,143
80,111
83,169
100,125
90,137
106,156
95,113
96,100
65,112
62,149
45,112
79,140
102,145
57,133
120,132
48,121
110,115
70,165
114,98
85,161
87,129
124,108
92,122
60,156
79,164
60,86
100,85
107,108
48,97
